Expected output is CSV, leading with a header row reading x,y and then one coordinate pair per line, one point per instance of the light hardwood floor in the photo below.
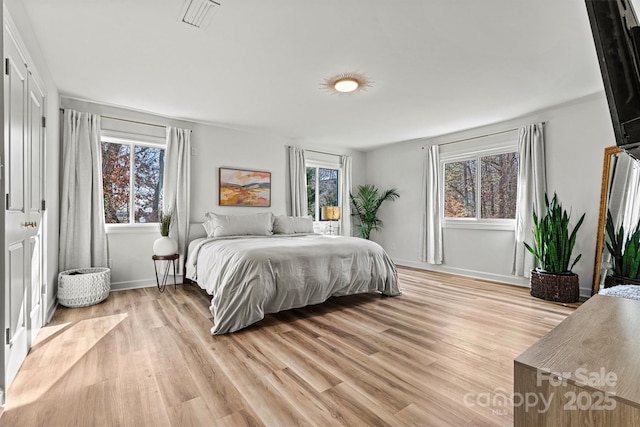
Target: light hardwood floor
x,y
431,356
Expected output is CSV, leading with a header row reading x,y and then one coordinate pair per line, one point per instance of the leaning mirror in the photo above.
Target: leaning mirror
x,y
619,198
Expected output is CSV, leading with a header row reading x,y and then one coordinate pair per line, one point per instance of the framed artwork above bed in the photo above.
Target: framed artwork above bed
x,y
240,187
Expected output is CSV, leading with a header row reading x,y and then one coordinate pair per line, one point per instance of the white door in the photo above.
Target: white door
x,y
22,217
35,182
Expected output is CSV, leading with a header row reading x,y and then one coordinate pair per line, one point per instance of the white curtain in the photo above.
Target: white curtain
x,y
532,185
83,241
345,228
177,185
431,225
297,182
629,212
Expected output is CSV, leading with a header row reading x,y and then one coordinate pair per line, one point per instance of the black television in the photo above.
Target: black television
x,y
617,38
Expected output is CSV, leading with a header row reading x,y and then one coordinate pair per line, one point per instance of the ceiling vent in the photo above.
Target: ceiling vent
x,y
197,13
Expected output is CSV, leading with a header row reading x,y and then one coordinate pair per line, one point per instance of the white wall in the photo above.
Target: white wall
x,y
52,150
130,251
576,135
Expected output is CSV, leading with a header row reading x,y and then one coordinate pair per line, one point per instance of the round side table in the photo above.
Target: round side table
x,y
162,283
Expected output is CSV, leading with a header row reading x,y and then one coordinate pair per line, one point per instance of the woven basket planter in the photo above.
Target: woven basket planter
x,y
611,281
555,287
83,286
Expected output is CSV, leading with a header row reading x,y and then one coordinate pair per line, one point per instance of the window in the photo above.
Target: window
x,y
481,186
322,189
460,189
128,165
499,186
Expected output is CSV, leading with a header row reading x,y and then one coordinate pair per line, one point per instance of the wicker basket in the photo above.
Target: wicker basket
x,y
555,287
83,286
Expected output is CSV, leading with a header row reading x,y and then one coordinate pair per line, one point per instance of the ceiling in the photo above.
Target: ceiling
x,y
437,66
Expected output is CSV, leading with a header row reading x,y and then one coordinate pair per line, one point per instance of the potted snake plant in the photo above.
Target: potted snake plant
x,y
553,246
625,254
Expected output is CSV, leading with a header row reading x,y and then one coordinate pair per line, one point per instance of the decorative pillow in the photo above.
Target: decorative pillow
x,y
283,224
303,224
260,224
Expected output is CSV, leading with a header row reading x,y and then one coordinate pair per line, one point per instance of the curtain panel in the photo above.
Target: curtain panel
x,y
177,186
431,251
345,227
631,213
297,182
83,240
532,186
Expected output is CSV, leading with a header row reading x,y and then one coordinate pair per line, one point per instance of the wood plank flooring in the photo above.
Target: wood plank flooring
x,y
432,356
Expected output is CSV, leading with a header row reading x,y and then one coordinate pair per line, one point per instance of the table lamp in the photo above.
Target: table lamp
x,y
331,213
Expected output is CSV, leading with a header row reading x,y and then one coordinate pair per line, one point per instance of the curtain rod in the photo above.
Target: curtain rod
x,y
323,152
480,136
127,120
134,121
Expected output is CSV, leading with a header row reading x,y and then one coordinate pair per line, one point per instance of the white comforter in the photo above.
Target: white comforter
x,y
251,276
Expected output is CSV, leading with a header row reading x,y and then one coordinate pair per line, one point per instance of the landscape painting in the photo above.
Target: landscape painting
x,y
244,188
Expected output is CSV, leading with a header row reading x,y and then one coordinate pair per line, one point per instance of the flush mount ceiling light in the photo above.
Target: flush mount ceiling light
x,y
347,83
197,13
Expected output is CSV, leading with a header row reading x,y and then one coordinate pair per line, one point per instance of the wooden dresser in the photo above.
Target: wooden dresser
x,y
585,372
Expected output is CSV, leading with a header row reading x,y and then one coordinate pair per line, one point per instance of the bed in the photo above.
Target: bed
x,y
249,275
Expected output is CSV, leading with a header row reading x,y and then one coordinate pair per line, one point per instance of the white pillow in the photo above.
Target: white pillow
x,y
208,225
260,224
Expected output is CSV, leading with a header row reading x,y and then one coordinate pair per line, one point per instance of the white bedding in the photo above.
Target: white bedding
x,y
249,277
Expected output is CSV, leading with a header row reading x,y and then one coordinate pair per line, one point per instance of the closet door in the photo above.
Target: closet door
x,y
35,182
17,223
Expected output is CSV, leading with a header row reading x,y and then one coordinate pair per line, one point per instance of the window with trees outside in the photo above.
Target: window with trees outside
x,y
322,189
132,177
481,187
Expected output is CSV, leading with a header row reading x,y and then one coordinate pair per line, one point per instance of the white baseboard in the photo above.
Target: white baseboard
x,y
51,310
500,278
116,286
143,283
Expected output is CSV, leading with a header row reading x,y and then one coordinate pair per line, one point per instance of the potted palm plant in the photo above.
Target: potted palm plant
x,y
366,203
625,254
553,279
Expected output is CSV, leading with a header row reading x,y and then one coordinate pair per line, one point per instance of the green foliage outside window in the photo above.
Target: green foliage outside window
x,y
322,188
496,182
